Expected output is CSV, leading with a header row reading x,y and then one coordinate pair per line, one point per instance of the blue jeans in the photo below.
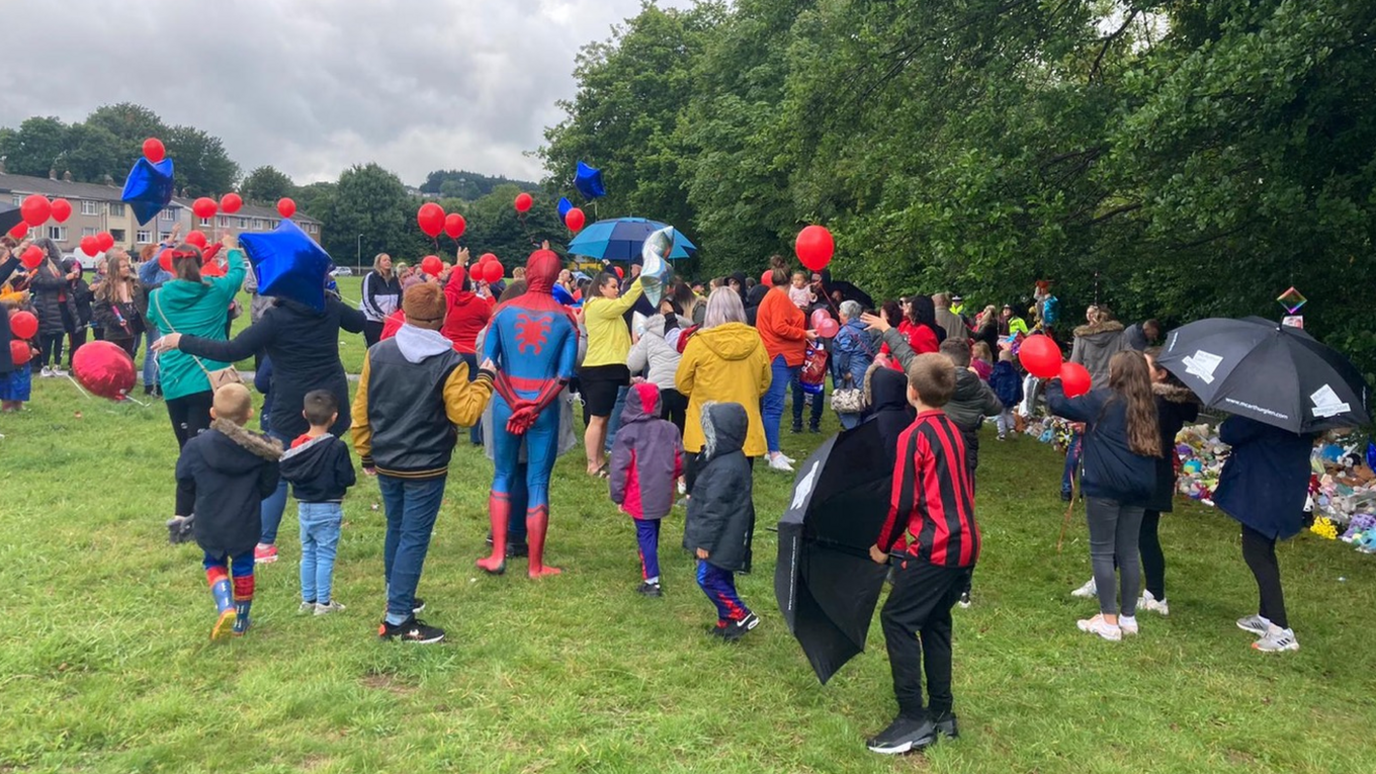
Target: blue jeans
x,y
1072,461
274,505
412,506
320,526
850,421
614,421
772,404
150,361
800,397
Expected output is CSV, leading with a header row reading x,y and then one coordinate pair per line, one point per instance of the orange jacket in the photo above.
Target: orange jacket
x,y
782,327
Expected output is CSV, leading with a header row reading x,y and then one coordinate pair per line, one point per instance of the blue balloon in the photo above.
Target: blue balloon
x,y
289,264
588,181
564,206
148,189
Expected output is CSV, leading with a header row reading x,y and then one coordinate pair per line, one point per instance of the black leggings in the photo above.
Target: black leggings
x,y
190,415
372,332
1259,552
674,408
1153,560
50,348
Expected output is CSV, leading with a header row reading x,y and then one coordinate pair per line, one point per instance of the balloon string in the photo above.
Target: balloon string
x,y
78,386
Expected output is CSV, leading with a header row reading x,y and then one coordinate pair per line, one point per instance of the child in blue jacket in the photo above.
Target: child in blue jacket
x,y
1007,384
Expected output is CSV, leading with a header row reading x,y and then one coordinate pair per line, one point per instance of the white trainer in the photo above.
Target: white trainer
x,y
1097,625
329,607
1127,624
1255,624
1088,591
1152,604
780,463
1276,640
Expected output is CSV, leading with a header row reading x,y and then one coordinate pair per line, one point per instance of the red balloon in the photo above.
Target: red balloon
x,y
204,207
828,328
105,241
815,247
432,265
430,218
104,368
231,202
212,269
1075,379
818,316
196,238
62,209
165,260
286,207
32,257
90,245
1040,356
20,229
524,202
454,224
24,325
493,271
20,352
767,279
485,257
36,209
575,219
153,150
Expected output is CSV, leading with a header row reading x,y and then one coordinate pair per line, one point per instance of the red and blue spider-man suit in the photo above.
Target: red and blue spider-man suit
x,y
533,342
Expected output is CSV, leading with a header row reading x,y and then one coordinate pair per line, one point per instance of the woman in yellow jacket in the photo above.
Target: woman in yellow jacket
x,y
604,369
724,362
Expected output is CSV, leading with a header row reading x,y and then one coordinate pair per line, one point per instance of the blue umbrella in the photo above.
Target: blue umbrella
x,y
621,239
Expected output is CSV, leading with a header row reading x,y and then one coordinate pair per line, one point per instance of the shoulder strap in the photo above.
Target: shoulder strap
x,y
157,302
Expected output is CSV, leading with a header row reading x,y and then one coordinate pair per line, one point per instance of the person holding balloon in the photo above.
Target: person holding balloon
x,y
15,350
113,307
1095,344
1121,443
783,329
50,285
604,369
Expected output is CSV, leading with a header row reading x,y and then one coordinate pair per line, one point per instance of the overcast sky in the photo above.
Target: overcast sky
x,y
313,86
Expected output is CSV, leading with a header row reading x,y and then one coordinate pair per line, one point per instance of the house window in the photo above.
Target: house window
x,y
117,209
88,231
117,233
89,207
206,221
223,221
143,236
274,223
258,224
18,200
57,233
164,236
243,223
169,215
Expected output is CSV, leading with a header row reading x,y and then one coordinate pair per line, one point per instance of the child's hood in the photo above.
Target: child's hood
x,y
417,344
888,389
309,460
642,403
724,425
238,450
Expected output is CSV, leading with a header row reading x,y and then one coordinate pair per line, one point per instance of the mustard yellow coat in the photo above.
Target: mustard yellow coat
x,y
725,364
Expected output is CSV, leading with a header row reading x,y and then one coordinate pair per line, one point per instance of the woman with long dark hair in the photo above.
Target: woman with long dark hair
x,y
113,303
1122,440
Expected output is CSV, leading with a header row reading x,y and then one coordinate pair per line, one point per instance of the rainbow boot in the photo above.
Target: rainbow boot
x,y
224,601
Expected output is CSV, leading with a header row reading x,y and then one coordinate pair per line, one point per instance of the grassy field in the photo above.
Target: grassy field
x,y
106,667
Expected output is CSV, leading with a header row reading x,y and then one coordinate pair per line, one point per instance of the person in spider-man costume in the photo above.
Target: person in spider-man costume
x,y
534,343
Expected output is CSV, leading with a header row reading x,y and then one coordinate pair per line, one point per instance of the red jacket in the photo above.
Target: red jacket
x,y
782,327
467,314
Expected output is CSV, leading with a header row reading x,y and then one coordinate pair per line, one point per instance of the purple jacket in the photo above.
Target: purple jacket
x,y
647,457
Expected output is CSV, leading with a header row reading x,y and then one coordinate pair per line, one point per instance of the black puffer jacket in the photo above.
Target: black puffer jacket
x,y
304,347
887,393
7,267
721,513
51,291
1175,406
234,469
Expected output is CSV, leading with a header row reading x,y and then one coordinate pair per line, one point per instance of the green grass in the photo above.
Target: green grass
x,y
105,665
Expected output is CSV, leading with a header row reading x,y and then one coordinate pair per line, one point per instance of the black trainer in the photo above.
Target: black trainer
x,y
648,589
737,629
412,630
797,429
946,725
903,735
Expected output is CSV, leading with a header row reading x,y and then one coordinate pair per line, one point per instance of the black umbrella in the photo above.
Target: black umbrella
x,y
1276,374
825,582
849,292
10,215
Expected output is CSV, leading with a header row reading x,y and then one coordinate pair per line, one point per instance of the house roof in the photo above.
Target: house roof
x,y
110,193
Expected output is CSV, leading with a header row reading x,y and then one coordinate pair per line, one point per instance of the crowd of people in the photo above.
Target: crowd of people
x,y
682,388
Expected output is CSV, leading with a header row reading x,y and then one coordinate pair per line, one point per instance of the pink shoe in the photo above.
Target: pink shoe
x,y
264,554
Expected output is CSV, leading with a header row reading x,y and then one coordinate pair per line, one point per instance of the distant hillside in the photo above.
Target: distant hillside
x,y
461,184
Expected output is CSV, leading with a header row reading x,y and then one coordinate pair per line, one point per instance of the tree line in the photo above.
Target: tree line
x,y
1170,159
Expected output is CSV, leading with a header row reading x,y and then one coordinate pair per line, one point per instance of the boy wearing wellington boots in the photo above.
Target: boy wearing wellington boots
x,y
933,502
233,469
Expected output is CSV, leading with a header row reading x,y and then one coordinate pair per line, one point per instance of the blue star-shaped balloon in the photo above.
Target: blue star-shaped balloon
x,y
588,181
564,206
289,264
148,188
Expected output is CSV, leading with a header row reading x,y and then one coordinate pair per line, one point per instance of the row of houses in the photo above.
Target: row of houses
x,y
97,207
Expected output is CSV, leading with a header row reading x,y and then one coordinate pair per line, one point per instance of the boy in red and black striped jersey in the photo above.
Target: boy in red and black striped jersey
x,y
933,503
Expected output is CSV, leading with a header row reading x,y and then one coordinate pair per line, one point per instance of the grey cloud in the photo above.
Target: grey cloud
x,y
313,86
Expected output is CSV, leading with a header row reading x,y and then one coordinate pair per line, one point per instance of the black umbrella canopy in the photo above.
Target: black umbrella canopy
x,y
10,216
1276,374
825,583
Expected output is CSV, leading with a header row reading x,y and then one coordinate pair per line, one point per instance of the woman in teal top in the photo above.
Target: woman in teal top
x,y
198,306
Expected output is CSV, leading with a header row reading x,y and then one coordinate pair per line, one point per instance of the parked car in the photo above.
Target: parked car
x,y
342,271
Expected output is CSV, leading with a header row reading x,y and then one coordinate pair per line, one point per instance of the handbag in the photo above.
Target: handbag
x,y
217,378
814,373
849,399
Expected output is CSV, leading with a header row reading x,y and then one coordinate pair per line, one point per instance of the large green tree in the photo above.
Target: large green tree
x,y
266,185
36,147
201,165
